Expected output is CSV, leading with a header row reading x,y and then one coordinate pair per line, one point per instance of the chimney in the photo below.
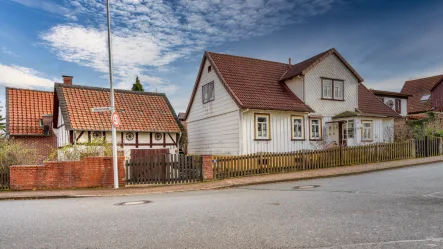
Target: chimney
x,y
67,80
290,62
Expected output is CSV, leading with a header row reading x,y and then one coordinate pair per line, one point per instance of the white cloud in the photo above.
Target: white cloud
x,y
44,5
149,35
23,77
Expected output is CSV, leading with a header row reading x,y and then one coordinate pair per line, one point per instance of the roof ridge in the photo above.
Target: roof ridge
x,y
26,89
107,89
245,57
438,75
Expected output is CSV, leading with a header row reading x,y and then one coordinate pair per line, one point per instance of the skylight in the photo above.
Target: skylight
x,y
425,97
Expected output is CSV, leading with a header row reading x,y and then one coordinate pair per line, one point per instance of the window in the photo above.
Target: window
x,y
398,105
333,89
208,92
348,130
327,89
338,89
315,124
209,69
367,131
262,129
297,127
390,103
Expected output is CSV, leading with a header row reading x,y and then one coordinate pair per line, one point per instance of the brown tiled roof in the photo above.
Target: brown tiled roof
x,y
138,111
253,83
304,66
368,103
388,93
418,88
24,109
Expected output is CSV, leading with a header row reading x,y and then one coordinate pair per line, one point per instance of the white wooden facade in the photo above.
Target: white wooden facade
x,y
403,101
220,127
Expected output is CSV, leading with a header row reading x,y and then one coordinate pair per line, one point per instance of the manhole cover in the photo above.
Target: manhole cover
x,y
130,203
306,187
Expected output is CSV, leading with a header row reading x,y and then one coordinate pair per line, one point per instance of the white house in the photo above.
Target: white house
x,y
394,100
242,105
148,121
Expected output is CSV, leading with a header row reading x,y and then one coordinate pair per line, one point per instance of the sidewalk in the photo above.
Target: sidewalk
x,y
232,182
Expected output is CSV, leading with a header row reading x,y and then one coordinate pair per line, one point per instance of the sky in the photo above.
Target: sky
x,y
162,42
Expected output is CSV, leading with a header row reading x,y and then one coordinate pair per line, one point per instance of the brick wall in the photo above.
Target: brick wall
x,y
44,145
207,168
88,173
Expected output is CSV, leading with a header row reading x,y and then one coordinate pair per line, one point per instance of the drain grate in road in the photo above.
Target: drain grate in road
x,y
306,187
131,203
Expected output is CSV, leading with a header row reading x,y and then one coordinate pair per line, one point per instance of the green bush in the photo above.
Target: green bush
x,y
76,152
16,153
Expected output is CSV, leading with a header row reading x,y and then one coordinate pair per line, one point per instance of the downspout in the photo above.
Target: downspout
x,y
178,142
240,131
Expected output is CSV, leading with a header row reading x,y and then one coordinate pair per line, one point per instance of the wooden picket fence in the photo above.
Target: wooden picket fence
x,y
428,146
264,163
164,169
4,179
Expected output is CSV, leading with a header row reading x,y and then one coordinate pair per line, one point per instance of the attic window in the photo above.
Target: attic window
x,y
208,92
209,69
425,98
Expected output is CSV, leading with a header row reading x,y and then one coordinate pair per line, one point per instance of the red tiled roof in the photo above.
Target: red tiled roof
x,y
368,103
24,109
304,66
418,88
138,111
254,83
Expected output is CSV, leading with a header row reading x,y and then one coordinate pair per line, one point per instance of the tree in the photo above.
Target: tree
x,y
138,87
2,122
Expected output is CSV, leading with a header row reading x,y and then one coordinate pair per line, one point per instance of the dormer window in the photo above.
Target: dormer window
x,y
332,89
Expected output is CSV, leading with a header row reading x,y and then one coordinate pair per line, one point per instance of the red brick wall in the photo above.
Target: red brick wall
x,y
437,97
44,145
207,168
88,173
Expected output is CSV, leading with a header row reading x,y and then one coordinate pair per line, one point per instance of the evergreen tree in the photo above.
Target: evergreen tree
x,y
137,86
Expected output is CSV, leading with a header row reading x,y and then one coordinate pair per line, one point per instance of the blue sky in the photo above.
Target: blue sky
x,y
162,42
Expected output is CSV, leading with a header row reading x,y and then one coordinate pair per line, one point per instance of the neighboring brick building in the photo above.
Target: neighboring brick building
x,y
29,119
421,90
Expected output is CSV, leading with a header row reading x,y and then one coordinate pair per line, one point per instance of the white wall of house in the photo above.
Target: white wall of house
x,y
330,67
281,133
404,104
213,127
296,86
61,133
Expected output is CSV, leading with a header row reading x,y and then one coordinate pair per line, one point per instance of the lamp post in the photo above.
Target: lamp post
x,y
114,129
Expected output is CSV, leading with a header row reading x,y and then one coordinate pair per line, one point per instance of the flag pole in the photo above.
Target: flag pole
x,y
114,130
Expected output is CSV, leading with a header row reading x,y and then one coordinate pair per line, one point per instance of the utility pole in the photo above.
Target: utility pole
x,y
114,129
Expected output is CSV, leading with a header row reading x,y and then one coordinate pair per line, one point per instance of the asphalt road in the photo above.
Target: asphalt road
x,y
400,208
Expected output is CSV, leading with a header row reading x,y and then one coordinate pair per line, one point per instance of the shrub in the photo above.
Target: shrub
x,y
76,152
16,153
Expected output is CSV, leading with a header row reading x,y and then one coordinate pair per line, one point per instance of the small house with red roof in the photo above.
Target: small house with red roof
x,y
394,100
65,117
242,105
426,94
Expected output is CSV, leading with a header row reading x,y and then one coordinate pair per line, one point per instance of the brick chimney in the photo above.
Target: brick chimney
x,y
290,62
67,80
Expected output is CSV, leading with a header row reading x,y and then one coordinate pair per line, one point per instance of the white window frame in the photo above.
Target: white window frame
x,y
302,126
259,135
330,89
208,92
365,138
311,137
347,129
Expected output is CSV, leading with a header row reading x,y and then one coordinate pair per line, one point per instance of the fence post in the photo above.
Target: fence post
x,y
207,167
440,145
413,149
